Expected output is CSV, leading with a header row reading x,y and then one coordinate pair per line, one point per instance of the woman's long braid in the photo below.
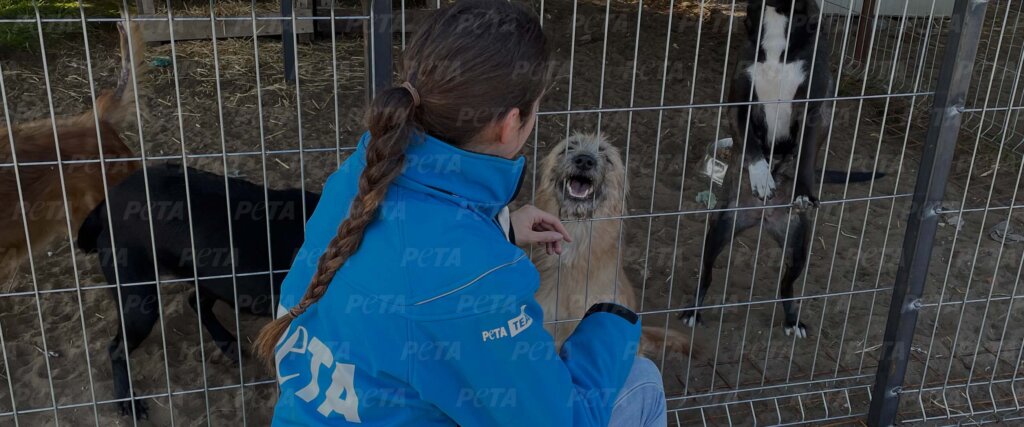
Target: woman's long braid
x,y
390,129
470,64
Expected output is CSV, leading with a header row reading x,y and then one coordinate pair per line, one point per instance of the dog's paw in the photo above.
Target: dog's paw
x,y
761,181
799,330
141,409
690,318
805,203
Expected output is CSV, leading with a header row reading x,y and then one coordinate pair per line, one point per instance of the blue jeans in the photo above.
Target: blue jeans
x,y
641,402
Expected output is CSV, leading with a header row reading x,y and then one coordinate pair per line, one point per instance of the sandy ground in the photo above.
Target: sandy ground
x,y
740,353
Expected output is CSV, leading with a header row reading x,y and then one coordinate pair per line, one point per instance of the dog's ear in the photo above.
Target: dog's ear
x,y
812,25
813,14
808,13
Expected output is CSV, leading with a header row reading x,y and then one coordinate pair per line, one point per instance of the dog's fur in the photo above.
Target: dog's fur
x,y
582,178
783,41
40,204
129,257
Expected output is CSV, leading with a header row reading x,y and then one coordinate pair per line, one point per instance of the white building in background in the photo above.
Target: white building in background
x,y
915,8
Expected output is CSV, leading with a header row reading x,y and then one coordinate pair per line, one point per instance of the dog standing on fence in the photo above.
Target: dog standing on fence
x,y
40,205
779,140
583,178
240,274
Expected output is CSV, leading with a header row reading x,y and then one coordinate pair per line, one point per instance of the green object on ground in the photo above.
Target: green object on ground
x,y
161,62
707,198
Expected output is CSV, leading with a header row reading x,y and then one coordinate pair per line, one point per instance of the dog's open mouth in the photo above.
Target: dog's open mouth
x,y
579,187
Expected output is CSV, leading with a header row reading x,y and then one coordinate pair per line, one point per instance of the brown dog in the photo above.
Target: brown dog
x,y
40,203
584,178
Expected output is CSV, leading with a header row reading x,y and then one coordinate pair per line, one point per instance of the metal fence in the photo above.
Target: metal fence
x,y
911,287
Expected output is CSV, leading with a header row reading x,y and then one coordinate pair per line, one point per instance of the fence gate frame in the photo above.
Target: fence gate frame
x,y
923,221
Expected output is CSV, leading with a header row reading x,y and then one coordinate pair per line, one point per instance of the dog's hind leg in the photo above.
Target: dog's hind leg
x,y
717,238
713,245
225,340
798,245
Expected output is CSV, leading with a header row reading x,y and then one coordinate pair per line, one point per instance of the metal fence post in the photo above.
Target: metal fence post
x,y
936,161
287,40
378,36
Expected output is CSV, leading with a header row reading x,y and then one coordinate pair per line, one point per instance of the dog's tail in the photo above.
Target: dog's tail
x,y
655,339
89,231
118,107
842,177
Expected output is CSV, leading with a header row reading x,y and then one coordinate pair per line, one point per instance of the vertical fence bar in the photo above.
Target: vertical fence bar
x,y
865,22
288,40
377,34
936,162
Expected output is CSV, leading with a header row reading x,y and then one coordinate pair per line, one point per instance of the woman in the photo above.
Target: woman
x,y
408,303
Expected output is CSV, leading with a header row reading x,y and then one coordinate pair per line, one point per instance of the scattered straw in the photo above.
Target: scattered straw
x,y
221,8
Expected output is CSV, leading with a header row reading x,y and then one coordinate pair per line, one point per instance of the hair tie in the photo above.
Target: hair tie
x,y
413,92
292,313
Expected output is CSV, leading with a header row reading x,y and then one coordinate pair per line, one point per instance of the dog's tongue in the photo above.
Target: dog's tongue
x,y
578,188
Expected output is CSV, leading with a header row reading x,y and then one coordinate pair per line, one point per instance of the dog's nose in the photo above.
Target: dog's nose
x,y
584,162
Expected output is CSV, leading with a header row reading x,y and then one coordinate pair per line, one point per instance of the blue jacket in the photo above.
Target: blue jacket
x,y
433,322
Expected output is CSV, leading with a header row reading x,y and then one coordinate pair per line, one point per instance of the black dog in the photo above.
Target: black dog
x,y
781,36
129,258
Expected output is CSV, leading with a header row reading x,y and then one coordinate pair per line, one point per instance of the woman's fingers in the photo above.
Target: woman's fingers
x,y
547,236
550,222
552,241
539,227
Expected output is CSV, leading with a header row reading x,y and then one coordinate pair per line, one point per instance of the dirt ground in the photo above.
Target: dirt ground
x,y
743,367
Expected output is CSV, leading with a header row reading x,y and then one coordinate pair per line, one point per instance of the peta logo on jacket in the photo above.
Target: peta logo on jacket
x,y
340,397
515,326
519,323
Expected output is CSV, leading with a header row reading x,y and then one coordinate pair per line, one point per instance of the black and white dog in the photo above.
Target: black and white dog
x,y
780,120
192,243
781,34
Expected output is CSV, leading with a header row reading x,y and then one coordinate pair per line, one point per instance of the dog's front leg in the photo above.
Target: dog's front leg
x,y
749,122
224,339
761,181
803,194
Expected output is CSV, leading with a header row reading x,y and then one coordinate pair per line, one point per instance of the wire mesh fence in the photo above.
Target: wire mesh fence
x,y
654,77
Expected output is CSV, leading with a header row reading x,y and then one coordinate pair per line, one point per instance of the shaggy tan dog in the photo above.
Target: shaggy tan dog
x,y
40,203
583,178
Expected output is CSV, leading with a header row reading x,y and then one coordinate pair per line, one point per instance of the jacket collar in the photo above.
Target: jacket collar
x,y
473,180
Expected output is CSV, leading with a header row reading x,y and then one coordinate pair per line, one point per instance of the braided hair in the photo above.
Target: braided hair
x,y
470,65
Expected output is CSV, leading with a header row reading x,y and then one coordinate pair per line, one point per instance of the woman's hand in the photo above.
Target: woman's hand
x,y
533,225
